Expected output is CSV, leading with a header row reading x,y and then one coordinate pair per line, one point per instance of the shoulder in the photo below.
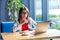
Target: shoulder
x,y
16,22
32,21
30,18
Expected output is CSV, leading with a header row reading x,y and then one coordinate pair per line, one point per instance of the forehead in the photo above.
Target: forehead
x,y
24,11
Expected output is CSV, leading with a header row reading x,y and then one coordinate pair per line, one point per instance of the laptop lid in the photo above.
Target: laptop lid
x,y
42,27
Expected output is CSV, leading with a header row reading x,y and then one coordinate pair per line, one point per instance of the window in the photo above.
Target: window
x,y
54,13
38,10
54,9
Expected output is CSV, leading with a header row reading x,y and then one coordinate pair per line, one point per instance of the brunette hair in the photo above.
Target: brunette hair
x,y
20,11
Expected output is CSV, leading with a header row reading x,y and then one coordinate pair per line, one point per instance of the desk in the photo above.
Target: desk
x,y
50,34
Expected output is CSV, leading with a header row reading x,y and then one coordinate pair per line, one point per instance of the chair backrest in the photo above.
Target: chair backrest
x,y
7,26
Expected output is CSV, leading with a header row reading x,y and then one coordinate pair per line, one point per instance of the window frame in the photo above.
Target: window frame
x,y
44,10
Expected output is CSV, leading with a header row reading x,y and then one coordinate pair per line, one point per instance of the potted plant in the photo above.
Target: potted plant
x,y
13,6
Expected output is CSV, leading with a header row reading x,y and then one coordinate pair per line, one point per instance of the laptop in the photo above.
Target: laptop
x,y
42,27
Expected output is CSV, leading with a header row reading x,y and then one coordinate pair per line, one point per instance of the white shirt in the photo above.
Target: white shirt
x,y
18,26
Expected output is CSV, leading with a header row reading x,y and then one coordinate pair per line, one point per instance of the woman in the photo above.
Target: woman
x,y
24,22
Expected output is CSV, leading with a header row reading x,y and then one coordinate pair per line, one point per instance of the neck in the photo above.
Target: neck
x,y
22,20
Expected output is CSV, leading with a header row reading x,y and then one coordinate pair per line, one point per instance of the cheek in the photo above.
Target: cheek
x,y
25,15
22,15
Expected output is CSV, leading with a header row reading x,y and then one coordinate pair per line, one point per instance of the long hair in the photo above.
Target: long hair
x,y
20,11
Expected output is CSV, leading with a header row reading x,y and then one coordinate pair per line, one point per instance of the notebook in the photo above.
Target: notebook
x,y
42,27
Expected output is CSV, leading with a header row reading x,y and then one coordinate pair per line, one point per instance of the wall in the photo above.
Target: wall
x,y
0,16
4,11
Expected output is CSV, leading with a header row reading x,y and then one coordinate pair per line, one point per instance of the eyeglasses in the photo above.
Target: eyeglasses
x,y
24,13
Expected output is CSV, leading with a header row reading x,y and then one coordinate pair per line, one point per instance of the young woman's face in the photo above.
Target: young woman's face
x,y
24,14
